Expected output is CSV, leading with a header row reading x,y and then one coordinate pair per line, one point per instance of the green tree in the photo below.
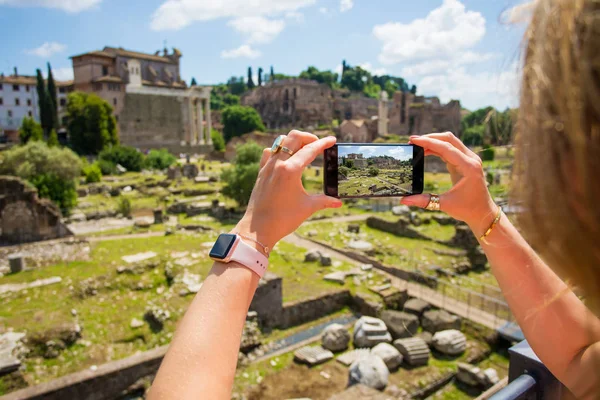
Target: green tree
x,y
92,125
373,171
30,130
231,100
240,179
391,87
236,86
473,135
52,170
159,159
355,78
272,74
52,117
43,105
193,82
218,141
52,139
349,164
260,76
500,127
125,156
327,77
476,117
53,101
413,89
488,153
238,120
372,90
92,173
250,82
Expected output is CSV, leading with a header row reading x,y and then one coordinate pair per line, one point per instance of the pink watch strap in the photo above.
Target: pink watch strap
x,y
251,258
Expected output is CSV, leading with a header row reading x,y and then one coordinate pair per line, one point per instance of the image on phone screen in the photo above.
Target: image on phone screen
x,y
373,170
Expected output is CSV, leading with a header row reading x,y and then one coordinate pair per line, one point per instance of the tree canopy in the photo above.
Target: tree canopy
x,y
238,120
92,125
30,131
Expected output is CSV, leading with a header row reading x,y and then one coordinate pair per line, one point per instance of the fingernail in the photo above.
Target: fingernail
x,y
335,204
407,201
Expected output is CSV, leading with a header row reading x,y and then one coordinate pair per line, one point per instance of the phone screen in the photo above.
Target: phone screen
x,y
373,170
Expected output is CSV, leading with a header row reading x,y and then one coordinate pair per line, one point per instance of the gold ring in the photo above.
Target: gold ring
x,y
286,150
434,203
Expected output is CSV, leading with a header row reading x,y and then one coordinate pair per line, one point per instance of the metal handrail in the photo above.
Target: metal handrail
x,y
524,385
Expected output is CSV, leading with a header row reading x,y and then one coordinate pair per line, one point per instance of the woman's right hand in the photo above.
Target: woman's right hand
x,y
469,199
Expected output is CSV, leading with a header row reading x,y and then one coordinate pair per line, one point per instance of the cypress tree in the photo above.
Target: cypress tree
x,y
272,77
260,80
250,83
42,103
53,105
193,83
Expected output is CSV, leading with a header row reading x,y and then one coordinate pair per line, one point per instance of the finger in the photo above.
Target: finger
x,y
308,153
416,200
448,153
453,140
294,141
321,202
265,156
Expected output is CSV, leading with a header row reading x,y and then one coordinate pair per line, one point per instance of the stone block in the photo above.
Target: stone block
x,y
337,277
400,324
312,256
158,215
469,374
325,260
414,350
354,228
389,354
369,331
312,355
350,356
451,342
190,171
174,172
401,210
370,371
439,320
16,263
335,337
416,307
360,245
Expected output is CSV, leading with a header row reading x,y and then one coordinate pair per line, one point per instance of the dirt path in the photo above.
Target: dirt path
x,y
129,236
344,218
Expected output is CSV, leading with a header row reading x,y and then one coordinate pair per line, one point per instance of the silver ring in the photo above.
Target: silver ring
x,y
434,203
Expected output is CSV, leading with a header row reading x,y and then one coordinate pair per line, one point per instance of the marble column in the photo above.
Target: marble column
x,y
200,121
191,135
208,121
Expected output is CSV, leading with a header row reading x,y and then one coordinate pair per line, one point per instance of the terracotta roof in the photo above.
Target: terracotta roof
x,y
19,80
97,53
174,85
135,54
109,78
64,83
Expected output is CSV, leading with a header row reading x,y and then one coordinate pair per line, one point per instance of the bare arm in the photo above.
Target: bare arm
x,y
561,330
202,358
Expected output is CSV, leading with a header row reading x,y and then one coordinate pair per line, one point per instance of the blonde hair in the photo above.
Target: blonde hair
x,y
557,167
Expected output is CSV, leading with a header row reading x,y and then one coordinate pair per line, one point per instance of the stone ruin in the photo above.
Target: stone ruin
x,y
402,227
26,218
414,350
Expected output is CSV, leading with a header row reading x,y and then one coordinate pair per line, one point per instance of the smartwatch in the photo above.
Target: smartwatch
x,y
230,247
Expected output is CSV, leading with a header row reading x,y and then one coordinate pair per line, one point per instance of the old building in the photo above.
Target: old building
x,y
153,106
354,131
19,99
305,104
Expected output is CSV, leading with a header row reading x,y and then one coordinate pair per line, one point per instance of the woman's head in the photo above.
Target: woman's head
x,y
558,140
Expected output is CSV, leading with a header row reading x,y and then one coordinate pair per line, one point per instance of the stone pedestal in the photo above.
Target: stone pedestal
x,y
158,216
16,263
414,350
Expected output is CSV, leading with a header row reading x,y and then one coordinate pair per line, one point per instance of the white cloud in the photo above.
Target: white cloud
x,y
258,29
323,10
445,31
295,15
177,14
475,90
369,67
60,74
442,65
71,6
346,5
242,51
47,49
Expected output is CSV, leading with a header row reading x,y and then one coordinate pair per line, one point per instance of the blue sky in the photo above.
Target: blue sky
x,y
450,48
398,152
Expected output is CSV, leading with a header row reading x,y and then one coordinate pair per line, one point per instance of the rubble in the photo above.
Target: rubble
x,y
451,342
389,354
335,338
370,371
414,350
439,320
400,324
369,331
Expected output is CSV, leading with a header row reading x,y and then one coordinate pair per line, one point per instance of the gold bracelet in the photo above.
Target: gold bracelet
x,y
496,220
266,248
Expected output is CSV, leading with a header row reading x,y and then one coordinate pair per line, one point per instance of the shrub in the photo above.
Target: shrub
x,y
241,178
92,173
473,136
52,170
30,130
124,206
92,125
489,177
238,120
344,170
53,139
107,167
218,141
373,171
488,153
126,156
159,159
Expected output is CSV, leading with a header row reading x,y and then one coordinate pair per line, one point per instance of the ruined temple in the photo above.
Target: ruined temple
x,y
306,104
26,218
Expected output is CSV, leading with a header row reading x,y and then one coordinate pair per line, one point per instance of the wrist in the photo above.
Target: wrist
x,y
483,218
255,235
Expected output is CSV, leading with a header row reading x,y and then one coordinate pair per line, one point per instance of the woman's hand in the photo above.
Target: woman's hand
x,y
279,203
469,199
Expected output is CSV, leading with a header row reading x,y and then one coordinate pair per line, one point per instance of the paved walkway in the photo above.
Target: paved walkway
x,y
415,290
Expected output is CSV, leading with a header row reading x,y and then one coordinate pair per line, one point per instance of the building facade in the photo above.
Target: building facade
x,y
154,108
19,100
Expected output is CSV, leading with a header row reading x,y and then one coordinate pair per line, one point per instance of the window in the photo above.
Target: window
x,y
0,86
104,70
97,87
30,113
1,101
27,88
9,113
61,90
115,101
15,88
17,102
63,102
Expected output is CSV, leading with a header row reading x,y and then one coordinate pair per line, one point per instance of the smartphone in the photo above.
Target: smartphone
x,y
373,170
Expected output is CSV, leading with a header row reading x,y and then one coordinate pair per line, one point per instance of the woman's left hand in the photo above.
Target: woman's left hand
x,y
279,203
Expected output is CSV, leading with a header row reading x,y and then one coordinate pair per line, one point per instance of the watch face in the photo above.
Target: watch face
x,y
277,143
222,246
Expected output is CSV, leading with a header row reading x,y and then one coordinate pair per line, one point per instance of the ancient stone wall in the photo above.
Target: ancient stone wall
x,y
26,218
346,106
401,227
303,311
292,103
268,300
417,115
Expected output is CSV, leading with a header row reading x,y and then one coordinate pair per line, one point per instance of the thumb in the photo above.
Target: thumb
x,y
417,200
321,201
